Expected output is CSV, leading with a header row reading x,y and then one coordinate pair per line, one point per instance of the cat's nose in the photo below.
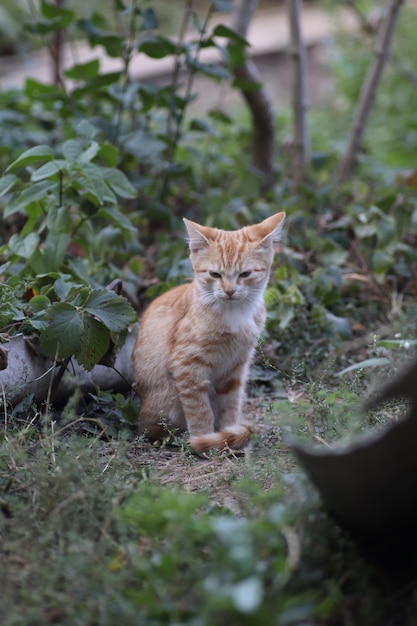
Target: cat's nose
x,y
229,292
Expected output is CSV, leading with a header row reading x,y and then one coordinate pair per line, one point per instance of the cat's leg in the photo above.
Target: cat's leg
x,y
230,396
193,388
233,432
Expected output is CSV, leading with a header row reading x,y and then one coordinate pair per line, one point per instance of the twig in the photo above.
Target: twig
x,y
368,91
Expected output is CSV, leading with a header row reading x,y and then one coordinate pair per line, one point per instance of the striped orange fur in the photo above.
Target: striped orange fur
x,y
196,342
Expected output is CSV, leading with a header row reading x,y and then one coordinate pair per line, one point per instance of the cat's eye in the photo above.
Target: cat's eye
x,y
215,274
245,274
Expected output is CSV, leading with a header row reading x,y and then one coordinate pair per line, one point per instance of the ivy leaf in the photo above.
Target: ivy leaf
x,y
114,311
33,155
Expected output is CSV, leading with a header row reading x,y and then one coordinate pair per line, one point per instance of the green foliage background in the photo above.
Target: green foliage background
x,y
97,172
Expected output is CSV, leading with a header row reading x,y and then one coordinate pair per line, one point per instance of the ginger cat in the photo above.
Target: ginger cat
x,y
195,345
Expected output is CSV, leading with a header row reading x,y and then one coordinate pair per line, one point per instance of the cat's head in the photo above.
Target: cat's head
x,y
233,266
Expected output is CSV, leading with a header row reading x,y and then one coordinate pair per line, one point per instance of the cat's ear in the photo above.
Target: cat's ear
x,y
270,230
196,238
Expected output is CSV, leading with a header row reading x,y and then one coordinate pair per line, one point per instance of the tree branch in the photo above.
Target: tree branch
x,y
368,91
301,145
258,100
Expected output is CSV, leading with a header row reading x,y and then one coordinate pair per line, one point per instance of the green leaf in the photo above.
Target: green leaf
x,y
93,178
116,217
382,261
393,344
33,155
95,343
91,152
213,70
145,146
62,288
224,31
220,116
64,334
247,595
87,129
24,246
236,54
149,19
111,42
52,11
50,257
34,89
6,183
36,192
246,85
48,170
119,183
114,311
84,71
44,27
109,154
204,126
376,362
72,150
341,325
156,47
40,303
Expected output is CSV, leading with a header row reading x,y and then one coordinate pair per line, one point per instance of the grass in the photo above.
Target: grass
x,y
102,531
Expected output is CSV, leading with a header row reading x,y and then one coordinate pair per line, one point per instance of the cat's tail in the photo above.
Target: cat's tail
x,y
231,438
